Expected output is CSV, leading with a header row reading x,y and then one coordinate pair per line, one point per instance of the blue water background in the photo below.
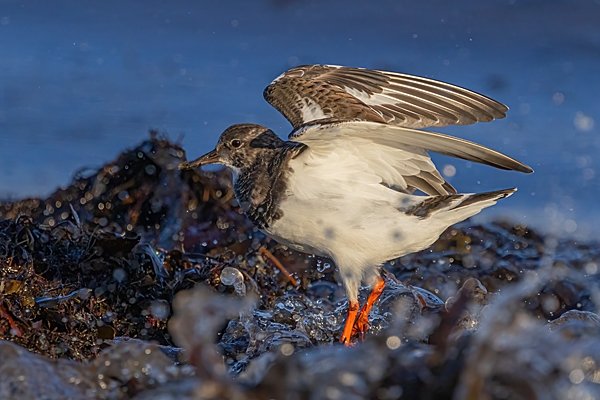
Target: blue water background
x,y
82,80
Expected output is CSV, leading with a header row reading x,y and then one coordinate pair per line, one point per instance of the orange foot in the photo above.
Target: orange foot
x,y
347,334
359,326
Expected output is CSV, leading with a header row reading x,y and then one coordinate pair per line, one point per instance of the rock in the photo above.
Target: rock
x,y
24,375
120,371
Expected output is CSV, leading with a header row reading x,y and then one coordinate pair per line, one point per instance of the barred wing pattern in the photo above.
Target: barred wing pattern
x,y
309,93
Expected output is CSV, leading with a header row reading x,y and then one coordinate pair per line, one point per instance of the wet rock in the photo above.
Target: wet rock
x,y
121,371
199,315
299,322
25,375
513,355
131,366
470,300
183,390
575,324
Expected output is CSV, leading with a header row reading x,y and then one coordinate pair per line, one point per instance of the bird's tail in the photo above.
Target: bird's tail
x,y
451,209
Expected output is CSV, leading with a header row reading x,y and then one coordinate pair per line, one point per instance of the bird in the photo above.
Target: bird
x,y
354,182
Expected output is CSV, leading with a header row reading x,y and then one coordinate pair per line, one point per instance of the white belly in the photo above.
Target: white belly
x,y
337,208
371,232
351,222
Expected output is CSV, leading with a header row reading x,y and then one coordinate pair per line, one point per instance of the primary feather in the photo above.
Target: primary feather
x,y
399,155
312,92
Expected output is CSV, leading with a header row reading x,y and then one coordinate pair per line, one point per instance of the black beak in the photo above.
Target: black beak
x,y
209,158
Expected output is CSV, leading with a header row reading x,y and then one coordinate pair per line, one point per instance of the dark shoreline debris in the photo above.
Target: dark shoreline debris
x,y
141,250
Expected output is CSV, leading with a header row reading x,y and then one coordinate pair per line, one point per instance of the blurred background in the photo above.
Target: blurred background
x,y
81,81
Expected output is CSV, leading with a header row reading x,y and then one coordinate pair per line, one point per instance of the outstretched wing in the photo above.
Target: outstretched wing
x,y
313,92
399,155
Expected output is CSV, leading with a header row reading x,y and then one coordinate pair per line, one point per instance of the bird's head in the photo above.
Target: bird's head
x,y
239,146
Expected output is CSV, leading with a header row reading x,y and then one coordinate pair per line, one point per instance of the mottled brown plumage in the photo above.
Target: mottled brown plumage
x,y
259,160
378,96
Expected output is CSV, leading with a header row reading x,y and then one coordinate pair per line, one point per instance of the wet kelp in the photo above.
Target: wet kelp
x,y
139,249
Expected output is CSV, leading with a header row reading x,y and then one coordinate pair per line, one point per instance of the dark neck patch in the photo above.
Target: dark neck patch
x,y
260,187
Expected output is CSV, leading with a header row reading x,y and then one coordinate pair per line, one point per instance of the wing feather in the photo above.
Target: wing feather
x,y
379,96
399,155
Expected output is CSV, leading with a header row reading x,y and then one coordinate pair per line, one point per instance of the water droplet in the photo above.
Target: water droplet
x,y
576,376
449,170
119,274
591,268
233,277
393,342
123,195
289,305
323,267
160,309
287,349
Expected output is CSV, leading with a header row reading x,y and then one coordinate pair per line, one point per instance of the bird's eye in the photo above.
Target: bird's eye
x,y
236,143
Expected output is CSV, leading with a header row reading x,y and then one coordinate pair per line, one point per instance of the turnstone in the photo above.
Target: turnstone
x,y
343,185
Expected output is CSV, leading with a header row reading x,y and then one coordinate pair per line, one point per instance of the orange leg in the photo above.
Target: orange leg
x,y
267,254
352,313
362,323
